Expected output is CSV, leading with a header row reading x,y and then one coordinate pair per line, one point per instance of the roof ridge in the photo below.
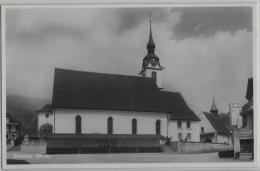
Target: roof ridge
x,y
101,73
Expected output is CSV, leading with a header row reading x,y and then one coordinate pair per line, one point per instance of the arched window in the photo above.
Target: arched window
x,y
154,76
110,125
78,124
179,124
134,126
188,124
45,129
158,127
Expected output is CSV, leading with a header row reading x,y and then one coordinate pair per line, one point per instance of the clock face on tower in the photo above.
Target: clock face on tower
x,y
153,62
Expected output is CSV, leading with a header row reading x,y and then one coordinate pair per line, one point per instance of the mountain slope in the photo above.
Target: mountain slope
x,y
23,109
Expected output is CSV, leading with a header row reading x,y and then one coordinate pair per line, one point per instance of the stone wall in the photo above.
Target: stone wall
x,y
92,143
34,146
198,147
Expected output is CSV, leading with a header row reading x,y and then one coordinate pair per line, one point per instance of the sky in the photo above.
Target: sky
x,y
206,51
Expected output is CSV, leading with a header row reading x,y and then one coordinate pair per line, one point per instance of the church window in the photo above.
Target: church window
x,y
179,124
134,126
110,125
158,127
78,124
188,124
202,130
154,76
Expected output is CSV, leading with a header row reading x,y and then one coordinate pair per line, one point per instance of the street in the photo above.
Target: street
x,y
117,158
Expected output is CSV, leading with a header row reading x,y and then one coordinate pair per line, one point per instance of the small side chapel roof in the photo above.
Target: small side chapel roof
x,y
99,91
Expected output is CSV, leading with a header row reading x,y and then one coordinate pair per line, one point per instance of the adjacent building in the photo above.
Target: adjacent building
x,y
215,126
243,137
235,118
13,131
98,112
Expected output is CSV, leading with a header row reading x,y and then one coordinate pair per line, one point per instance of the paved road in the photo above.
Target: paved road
x,y
118,158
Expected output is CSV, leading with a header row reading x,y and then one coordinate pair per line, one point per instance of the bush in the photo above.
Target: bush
x,y
226,154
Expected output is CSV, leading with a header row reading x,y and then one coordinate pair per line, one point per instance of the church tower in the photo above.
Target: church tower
x,y
151,65
214,109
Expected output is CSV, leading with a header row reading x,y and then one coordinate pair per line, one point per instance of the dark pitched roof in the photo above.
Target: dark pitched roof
x,y
219,122
249,92
247,108
46,108
88,90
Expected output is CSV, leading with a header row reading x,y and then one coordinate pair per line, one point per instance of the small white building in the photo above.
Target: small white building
x,y
92,111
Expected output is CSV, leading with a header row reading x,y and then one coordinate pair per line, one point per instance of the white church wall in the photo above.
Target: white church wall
x,y
43,119
95,121
194,130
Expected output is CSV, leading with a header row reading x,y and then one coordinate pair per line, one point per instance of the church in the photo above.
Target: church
x,y
101,113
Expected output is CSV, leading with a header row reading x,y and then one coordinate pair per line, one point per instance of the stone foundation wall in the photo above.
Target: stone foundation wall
x,y
198,147
34,146
88,143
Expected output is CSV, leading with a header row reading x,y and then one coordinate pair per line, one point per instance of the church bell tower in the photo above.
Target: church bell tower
x,y
151,64
214,109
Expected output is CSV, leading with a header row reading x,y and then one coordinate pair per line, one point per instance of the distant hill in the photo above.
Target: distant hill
x,y
27,119
26,103
23,109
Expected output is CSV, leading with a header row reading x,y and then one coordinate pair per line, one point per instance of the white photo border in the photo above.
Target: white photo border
x,y
254,165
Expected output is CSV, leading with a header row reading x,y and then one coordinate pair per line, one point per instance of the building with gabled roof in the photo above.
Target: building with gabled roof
x,y
215,126
93,112
13,131
244,136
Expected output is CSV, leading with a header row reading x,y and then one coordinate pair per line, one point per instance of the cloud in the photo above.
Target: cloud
x,y
130,18
38,25
207,21
203,67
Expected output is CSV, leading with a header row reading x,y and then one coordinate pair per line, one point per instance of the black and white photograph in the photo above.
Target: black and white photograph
x,y
128,85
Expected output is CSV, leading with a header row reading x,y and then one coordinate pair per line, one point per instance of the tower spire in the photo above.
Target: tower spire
x,y
151,64
214,109
150,44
